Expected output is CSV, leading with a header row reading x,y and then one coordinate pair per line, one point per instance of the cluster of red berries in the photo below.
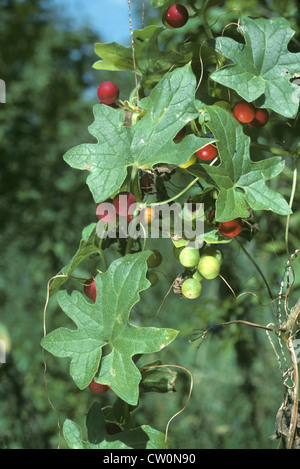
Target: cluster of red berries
x,y
247,113
123,204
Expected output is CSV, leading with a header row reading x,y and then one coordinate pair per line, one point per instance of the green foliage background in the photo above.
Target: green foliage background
x,y
45,204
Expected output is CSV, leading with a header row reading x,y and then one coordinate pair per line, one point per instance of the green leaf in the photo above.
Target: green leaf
x,y
240,181
106,322
95,423
86,247
159,3
263,66
73,435
214,237
170,106
157,378
144,437
151,62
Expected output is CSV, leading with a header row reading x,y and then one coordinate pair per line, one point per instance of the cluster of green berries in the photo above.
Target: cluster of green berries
x,y
204,266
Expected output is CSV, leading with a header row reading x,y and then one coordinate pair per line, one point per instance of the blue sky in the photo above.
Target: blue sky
x,y
108,17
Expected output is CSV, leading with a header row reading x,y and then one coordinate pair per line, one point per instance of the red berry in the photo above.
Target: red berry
x,y
105,211
231,228
209,152
261,118
176,16
124,204
98,388
90,289
244,112
108,92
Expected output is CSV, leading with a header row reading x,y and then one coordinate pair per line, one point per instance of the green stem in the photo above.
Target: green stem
x,y
207,29
134,183
175,196
128,246
209,35
135,190
273,150
294,185
103,259
101,253
261,274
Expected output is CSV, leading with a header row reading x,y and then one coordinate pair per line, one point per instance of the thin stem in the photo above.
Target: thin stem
x,y
295,174
207,29
133,54
262,276
103,259
247,323
237,321
209,36
175,196
135,190
128,245
270,149
134,184
98,243
256,266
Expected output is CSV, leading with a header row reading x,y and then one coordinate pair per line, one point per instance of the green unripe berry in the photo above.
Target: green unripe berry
x,y
155,259
209,267
191,288
189,257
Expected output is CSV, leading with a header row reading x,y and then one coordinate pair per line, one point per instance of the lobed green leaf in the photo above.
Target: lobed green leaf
x,y
107,323
262,67
150,62
170,106
240,181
